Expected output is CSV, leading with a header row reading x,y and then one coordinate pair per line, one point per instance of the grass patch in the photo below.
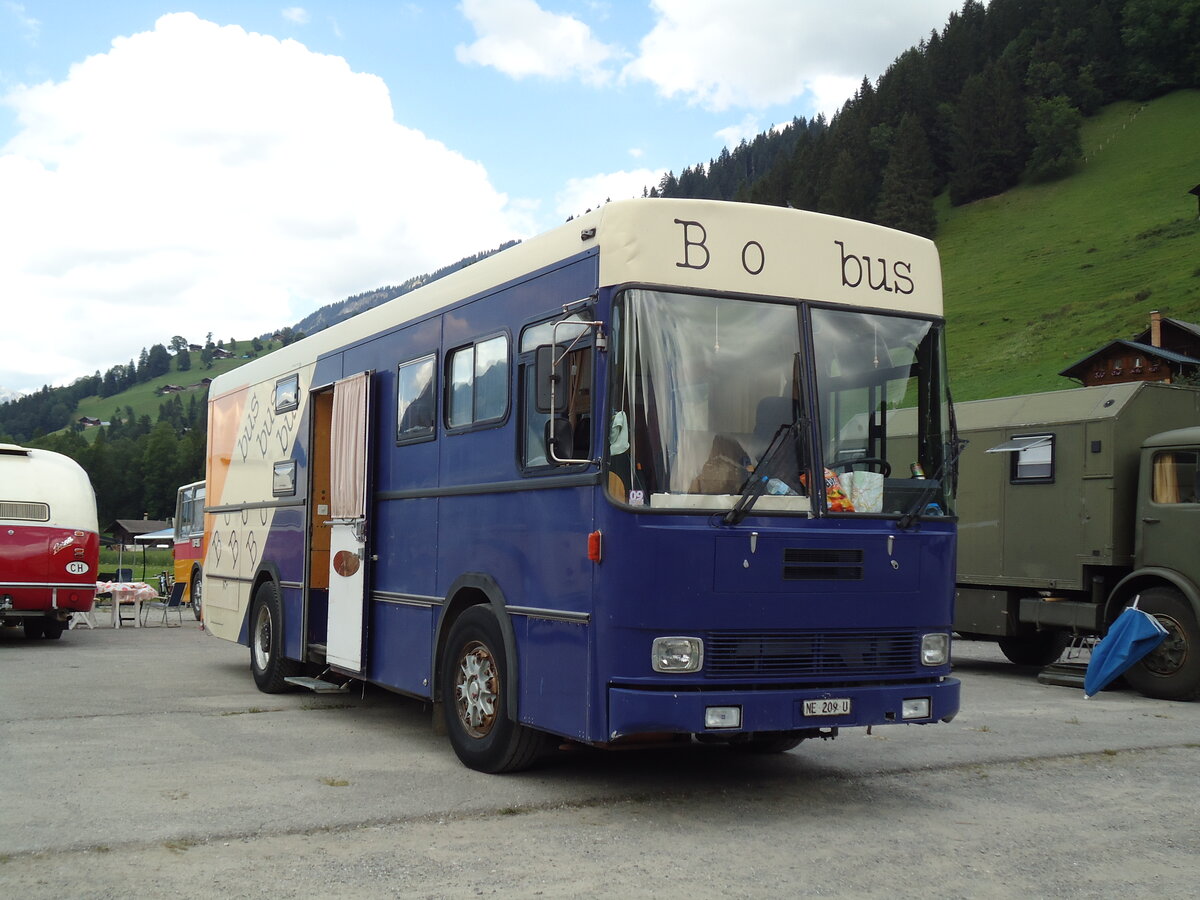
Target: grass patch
x,y
335,782
1039,277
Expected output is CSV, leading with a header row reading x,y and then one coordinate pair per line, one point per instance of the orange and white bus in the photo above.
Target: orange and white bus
x,y
189,541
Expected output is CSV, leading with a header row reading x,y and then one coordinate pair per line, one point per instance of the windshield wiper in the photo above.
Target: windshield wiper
x,y
756,484
956,448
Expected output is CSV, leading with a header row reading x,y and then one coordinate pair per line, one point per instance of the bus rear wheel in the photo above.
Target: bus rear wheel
x,y
195,591
1172,670
267,661
475,695
34,627
52,629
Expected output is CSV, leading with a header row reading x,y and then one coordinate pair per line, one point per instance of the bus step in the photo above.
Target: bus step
x,y
317,684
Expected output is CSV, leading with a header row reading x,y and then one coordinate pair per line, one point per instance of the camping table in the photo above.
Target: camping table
x,y
127,592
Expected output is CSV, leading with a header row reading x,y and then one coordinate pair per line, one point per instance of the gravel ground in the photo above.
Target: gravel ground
x,y
183,781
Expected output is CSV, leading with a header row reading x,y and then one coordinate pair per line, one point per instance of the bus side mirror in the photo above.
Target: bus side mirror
x,y
560,437
545,371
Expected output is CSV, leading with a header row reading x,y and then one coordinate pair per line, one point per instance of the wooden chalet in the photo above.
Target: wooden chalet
x,y
1168,350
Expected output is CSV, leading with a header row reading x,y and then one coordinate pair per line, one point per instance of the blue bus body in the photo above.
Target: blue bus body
x,y
784,620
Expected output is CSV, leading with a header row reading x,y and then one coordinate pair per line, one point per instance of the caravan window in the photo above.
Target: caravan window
x,y
1035,460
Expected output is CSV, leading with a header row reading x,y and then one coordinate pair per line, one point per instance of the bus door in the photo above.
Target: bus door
x,y
349,443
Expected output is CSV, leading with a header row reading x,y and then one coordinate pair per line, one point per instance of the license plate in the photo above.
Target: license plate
x,y
829,706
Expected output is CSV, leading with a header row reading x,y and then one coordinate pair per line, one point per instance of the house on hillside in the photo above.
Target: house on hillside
x,y
89,422
1166,351
170,389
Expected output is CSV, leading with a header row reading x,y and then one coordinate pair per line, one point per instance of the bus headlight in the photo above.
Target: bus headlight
x,y
935,649
677,654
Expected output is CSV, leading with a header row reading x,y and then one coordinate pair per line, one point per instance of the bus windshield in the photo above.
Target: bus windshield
x,y
711,399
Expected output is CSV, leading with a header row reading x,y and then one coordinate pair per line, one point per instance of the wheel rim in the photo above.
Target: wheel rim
x,y
1168,657
262,639
475,690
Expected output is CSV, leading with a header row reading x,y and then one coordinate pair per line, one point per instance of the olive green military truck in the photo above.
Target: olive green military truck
x,y
1071,504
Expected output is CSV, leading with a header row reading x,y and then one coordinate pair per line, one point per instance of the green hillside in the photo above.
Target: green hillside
x,y
144,399
1038,277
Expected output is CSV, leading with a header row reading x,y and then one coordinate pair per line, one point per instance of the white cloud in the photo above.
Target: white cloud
x,y
760,53
30,27
296,14
152,193
520,39
582,194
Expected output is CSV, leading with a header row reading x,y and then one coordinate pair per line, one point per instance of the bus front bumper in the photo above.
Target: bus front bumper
x,y
633,711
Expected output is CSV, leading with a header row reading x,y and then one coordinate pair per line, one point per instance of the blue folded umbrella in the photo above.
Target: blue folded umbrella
x,y
1134,634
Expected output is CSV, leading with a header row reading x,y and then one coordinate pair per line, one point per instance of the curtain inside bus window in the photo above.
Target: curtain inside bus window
x,y
694,376
348,474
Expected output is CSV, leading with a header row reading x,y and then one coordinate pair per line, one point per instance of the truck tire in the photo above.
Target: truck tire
x,y
33,627
267,661
1038,649
1172,670
474,684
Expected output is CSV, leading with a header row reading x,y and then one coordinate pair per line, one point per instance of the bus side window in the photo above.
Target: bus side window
x,y
572,421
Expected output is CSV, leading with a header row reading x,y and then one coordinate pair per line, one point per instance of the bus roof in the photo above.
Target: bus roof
x,y
32,476
701,245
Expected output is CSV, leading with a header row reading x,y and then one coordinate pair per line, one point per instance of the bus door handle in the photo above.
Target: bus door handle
x,y
1149,521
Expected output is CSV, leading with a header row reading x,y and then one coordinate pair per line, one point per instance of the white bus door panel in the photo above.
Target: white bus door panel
x,y
349,483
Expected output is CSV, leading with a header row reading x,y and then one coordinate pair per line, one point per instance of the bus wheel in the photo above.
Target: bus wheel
x,y
33,626
195,591
474,694
52,629
1172,670
267,662
1038,649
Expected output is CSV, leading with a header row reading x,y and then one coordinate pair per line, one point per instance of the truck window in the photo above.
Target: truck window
x,y
1175,477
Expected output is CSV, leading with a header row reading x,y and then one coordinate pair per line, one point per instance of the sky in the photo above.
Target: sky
x,y
225,168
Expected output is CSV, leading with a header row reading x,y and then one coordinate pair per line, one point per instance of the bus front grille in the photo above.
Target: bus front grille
x,y
810,654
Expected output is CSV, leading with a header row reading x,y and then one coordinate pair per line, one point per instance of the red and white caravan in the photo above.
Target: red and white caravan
x,y
49,540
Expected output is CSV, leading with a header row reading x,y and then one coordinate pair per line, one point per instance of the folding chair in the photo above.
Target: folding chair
x,y
173,603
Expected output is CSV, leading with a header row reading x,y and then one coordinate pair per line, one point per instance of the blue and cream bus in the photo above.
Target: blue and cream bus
x,y
629,480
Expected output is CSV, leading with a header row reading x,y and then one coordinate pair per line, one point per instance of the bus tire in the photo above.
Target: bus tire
x,y
33,626
52,629
474,696
267,661
1172,670
195,591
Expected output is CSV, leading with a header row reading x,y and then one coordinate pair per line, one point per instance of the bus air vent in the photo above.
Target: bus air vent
x,y
822,564
809,654
29,512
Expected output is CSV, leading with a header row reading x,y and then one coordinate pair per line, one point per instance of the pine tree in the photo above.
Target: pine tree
x,y
906,198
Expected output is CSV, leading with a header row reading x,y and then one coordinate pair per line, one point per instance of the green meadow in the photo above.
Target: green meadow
x,y
1037,278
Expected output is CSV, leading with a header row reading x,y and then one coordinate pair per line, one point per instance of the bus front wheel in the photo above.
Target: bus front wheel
x,y
474,695
267,661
